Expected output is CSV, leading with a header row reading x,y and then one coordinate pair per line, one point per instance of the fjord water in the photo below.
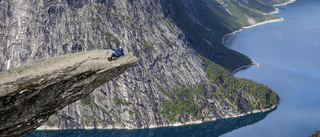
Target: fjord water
x,y
288,54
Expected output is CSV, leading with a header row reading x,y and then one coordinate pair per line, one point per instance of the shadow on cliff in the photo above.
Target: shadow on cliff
x,y
206,129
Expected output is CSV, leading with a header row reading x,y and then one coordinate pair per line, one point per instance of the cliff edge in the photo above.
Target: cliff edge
x,y
29,94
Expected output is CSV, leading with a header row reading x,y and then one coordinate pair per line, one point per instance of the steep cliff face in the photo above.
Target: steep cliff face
x,y
168,85
29,94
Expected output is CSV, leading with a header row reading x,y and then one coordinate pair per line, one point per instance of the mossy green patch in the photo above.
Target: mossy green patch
x,y
85,100
28,87
147,45
51,124
181,101
119,101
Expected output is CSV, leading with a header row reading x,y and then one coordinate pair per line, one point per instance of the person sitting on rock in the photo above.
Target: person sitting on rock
x,y
118,53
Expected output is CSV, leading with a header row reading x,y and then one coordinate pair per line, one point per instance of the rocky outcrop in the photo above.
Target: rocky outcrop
x,y
29,94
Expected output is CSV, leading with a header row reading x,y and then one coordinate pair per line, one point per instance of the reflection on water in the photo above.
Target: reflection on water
x,y
206,129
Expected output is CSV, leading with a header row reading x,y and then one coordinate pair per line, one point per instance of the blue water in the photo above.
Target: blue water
x,y
288,54
206,129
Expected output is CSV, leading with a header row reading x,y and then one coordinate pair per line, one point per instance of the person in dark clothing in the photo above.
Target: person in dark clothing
x,y
118,53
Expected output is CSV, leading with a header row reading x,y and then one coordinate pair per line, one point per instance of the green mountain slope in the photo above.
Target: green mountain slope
x,y
206,22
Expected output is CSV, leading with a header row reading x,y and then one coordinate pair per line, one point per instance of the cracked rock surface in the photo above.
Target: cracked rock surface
x,y
29,94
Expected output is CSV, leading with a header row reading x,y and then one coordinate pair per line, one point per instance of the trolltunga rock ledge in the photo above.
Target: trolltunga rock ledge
x,y
29,94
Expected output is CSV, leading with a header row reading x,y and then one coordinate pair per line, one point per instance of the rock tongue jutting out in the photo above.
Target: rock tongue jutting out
x,y
29,94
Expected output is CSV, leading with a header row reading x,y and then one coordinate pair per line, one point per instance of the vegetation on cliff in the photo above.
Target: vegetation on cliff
x,y
186,100
230,84
205,22
206,25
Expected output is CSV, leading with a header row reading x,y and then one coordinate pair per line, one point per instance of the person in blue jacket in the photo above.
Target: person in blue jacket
x,y
118,53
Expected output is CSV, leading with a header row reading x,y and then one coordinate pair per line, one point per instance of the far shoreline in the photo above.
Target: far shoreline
x,y
274,106
247,27
224,38
244,67
260,23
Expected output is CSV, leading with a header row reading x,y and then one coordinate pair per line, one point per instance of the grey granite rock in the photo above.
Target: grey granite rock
x,y
29,94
